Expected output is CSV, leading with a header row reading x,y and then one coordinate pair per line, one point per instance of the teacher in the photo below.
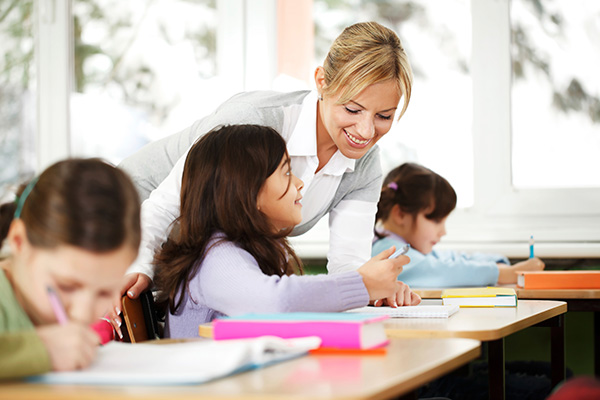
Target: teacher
x,y
330,134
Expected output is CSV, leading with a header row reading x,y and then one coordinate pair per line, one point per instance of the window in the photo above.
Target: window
x,y
17,92
555,94
479,68
141,70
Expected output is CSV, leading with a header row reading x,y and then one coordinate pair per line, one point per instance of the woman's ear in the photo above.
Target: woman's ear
x,y
320,79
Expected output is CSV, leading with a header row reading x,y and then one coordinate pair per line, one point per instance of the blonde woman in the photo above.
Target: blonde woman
x,y
330,134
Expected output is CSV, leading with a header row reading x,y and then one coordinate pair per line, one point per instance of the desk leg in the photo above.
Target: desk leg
x,y
496,369
597,343
557,349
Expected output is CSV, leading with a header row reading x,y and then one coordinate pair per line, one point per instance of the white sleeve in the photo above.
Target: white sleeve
x,y
351,225
158,212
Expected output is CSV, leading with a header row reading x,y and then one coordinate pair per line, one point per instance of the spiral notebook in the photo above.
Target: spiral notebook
x,y
424,311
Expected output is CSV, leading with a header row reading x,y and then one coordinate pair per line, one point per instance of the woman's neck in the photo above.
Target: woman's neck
x,y
326,148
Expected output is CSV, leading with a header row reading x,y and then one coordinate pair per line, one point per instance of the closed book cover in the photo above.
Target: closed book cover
x,y
559,279
336,330
480,297
423,311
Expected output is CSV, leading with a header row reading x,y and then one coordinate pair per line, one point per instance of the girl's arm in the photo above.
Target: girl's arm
x,y
447,269
230,281
22,354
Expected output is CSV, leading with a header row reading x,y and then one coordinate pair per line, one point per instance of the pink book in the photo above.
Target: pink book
x,y
336,330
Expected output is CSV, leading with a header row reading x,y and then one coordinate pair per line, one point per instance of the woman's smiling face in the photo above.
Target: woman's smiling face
x,y
355,127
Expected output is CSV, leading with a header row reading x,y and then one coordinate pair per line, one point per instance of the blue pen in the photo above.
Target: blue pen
x,y
401,251
531,247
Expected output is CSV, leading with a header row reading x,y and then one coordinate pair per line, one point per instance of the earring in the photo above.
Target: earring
x,y
320,97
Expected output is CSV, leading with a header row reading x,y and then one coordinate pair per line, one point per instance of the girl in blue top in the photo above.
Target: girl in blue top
x,y
414,205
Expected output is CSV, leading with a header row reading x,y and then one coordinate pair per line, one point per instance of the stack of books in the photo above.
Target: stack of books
x,y
480,297
336,330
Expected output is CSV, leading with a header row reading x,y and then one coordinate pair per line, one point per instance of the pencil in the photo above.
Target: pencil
x,y
57,307
531,247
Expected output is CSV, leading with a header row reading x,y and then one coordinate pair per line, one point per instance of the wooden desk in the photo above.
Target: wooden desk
x,y
492,325
408,364
586,300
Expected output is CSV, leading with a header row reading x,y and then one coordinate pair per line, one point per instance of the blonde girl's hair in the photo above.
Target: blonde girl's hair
x,y
363,54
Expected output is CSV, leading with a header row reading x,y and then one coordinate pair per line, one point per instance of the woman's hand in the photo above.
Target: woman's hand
x,y
70,346
380,276
132,284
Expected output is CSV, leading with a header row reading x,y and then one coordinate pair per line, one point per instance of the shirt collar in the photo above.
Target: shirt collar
x,y
388,234
303,141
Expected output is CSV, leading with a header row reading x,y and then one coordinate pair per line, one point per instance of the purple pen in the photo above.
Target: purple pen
x,y
57,307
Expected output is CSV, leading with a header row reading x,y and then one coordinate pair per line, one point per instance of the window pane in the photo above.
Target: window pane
x,y
17,92
436,34
556,94
142,70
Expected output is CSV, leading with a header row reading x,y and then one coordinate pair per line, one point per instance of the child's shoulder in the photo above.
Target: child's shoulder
x,y
385,243
220,249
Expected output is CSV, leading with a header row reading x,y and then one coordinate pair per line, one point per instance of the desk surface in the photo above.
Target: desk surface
x,y
539,294
478,323
408,364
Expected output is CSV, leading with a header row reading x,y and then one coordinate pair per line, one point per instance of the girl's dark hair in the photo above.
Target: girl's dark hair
x,y
223,174
415,188
85,203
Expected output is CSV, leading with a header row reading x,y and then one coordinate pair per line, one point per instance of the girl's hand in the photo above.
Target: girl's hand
x,y
132,284
380,276
70,346
508,274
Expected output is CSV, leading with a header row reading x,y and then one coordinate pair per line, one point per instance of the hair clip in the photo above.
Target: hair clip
x,y
393,186
21,199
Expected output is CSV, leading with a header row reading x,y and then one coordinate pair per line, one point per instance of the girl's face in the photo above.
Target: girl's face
x,y
355,127
84,281
423,233
279,197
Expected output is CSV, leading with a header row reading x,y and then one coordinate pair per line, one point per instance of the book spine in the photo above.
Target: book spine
x,y
338,335
561,281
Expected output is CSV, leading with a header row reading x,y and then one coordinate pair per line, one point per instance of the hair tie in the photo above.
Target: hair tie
x,y
393,186
23,197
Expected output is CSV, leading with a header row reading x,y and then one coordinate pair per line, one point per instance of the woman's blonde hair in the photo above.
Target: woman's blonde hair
x,y
363,54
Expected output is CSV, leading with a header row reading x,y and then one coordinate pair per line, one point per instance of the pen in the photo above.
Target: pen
x,y
531,247
401,251
59,311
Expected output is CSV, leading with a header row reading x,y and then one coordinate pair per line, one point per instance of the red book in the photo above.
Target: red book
x,y
558,279
336,330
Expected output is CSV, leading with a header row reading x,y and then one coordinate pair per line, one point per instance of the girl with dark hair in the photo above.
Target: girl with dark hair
x,y
227,252
414,205
71,234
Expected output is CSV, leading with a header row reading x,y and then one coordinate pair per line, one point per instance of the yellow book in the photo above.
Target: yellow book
x,y
480,297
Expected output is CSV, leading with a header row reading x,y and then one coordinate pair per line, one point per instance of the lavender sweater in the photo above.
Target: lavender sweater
x,y
230,282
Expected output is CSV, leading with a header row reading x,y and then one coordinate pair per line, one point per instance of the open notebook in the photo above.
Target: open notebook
x,y
180,363
424,311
